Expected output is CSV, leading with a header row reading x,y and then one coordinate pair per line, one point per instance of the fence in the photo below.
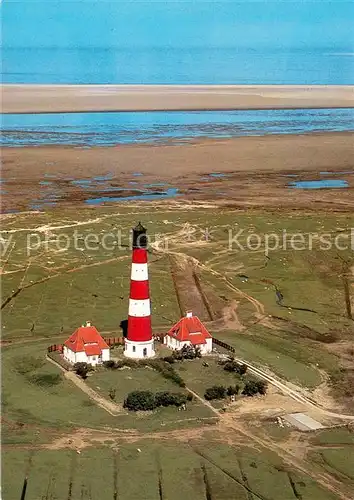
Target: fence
x,y
224,345
111,341
55,347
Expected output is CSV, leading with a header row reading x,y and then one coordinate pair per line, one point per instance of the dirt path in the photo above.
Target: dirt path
x,y
228,422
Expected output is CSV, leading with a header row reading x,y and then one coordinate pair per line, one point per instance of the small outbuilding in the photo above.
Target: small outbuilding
x,y
86,345
189,331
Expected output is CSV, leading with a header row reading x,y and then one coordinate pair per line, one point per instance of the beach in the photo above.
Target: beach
x,y
246,171
18,98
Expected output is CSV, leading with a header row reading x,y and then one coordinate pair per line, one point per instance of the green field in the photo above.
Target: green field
x,y
47,292
168,470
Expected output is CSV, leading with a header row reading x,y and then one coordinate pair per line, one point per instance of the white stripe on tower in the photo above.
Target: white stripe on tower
x,y
139,308
139,272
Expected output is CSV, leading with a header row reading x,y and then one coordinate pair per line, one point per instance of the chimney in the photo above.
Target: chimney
x,y
189,314
88,323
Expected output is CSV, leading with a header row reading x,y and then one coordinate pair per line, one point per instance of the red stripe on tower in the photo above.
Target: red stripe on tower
x,y
139,342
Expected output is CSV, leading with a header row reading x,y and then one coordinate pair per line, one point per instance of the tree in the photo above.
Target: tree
x,y
254,387
187,352
109,364
215,392
170,398
82,369
233,366
232,390
140,401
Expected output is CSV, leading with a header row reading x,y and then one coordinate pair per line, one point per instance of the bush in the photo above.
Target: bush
x,y
254,387
232,390
169,359
233,366
166,371
215,392
187,352
140,401
82,369
109,364
170,398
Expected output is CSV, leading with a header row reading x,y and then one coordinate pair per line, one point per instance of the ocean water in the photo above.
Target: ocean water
x,y
166,65
180,42
90,129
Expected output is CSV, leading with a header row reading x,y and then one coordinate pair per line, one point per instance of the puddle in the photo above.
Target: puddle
x,y
155,185
217,174
169,193
137,174
45,183
106,177
321,184
81,182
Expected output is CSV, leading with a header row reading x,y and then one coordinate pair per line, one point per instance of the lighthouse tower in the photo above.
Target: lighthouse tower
x,y
139,342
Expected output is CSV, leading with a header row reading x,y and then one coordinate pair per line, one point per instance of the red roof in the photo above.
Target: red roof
x,y
190,328
86,339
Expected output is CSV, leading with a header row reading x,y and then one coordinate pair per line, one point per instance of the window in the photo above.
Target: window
x,y
133,348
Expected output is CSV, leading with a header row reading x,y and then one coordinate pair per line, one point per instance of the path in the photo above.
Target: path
x,y
102,402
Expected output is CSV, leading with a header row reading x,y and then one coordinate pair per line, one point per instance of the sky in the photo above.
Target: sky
x,y
263,24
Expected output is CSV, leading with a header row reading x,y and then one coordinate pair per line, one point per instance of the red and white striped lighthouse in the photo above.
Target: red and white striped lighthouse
x,y
139,342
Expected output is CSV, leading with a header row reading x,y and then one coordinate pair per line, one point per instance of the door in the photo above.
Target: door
x,y
145,352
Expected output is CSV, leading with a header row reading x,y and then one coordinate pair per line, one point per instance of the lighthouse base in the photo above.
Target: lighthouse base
x,y
139,350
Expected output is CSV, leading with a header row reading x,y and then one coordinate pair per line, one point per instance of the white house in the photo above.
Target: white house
x,y
86,345
189,331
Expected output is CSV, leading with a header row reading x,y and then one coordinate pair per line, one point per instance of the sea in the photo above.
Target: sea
x,y
184,42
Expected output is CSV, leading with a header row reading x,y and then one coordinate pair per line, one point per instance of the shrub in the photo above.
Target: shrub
x,y
170,398
187,352
254,387
166,371
109,364
169,359
190,396
233,366
215,392
140,401
232,390
82,369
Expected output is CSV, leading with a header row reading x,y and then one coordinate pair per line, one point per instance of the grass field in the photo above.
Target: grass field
x,y
64,405
48,291
166,470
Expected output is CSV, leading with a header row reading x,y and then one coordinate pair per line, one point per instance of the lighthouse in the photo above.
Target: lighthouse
x,y
139,342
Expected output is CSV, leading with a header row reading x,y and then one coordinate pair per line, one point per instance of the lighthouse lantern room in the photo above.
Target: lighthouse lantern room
x,y
139,342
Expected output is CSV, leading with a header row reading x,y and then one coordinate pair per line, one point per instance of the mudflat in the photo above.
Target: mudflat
x,y
17,98
247,171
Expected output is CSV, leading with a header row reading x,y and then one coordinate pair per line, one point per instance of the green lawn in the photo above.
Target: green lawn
x,y
339,435
199,377
278,356
63,404
126,380
176,470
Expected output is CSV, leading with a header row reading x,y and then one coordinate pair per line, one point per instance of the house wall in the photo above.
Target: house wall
x,y
106,354
80,357
173,343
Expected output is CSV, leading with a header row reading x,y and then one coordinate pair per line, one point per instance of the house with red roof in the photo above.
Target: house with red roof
x,y
189,331
86,345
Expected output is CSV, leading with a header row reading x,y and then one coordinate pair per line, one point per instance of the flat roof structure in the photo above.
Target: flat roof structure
x,y
302,422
